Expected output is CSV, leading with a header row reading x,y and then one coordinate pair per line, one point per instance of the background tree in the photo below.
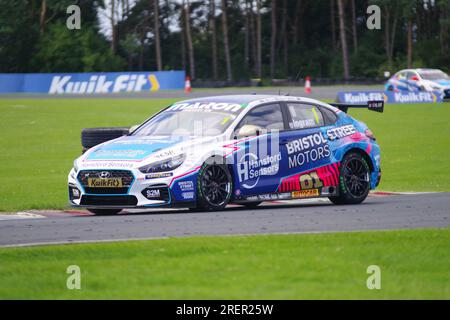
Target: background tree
x,y
273,38
345,62
156,31
306,41
226,46
187,21
213,32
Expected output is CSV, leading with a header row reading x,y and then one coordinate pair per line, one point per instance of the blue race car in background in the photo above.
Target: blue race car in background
x,y
433,80
208,152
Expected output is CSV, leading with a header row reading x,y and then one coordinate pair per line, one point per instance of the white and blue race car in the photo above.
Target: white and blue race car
x,y
432,80
208,152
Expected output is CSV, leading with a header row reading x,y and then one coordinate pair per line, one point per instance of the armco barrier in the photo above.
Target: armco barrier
x,y
89,83
389,97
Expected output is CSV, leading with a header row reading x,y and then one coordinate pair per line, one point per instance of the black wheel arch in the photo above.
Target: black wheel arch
x,y
363,154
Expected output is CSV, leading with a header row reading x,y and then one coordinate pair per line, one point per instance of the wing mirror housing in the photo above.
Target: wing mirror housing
x,y
133,128
248,130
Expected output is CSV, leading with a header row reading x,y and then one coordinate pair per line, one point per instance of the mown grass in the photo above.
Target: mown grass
x,y
414,264
41,138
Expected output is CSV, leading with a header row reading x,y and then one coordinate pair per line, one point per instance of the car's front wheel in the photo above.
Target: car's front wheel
x,y
214,187
104,212
354,180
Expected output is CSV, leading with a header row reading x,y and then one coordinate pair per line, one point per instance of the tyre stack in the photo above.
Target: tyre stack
x,y
91,137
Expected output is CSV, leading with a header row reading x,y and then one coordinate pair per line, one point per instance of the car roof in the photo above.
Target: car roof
x,y
249,98
419,70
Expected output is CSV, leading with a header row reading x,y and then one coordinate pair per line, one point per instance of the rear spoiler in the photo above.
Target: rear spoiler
x,y
376,105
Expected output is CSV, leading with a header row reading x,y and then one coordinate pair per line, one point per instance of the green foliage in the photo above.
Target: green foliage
x,y
73,51
24,47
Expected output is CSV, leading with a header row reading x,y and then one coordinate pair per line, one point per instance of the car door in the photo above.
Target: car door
x,y
402,81
256,163
306,156
413,81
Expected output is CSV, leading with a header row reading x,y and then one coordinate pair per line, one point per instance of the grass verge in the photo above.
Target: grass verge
x,y
414,265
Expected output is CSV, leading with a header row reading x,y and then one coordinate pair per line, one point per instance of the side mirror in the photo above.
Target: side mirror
x,y
248,130
133,128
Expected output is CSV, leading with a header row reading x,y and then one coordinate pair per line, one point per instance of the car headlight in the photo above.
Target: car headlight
x,y
75,166
165,165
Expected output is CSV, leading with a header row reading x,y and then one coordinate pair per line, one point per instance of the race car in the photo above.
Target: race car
x,y
433,80
205,153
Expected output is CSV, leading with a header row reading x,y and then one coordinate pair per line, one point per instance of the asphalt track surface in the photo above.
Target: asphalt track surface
x,y
378,212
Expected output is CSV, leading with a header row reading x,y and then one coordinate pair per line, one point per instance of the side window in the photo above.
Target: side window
x,y
267,117
304,116
401,75
329,117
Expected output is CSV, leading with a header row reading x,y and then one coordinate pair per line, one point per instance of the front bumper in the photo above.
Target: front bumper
x,y
137,191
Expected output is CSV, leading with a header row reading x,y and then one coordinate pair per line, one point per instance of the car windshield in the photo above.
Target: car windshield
x,y
187,123
433,75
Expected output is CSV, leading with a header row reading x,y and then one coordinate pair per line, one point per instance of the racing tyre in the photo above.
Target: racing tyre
x,y
354,180
104,212
91,137
214,185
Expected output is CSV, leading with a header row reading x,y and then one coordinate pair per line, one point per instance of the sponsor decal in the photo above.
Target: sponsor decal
x,y
310,180
269,196
305,193
91,83
207,106
102,164
250,168
413,97
300,124
284,196
99,84
152,193
165,154
187,195
105,182
324,176
127,153
158,175
307,149
186,185
341,132
362,97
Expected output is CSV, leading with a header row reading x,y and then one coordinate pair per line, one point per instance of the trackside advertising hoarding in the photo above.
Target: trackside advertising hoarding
x,y
90,83
357,97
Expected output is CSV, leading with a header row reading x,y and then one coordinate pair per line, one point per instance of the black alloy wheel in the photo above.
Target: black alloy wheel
x,y
354,180
214,187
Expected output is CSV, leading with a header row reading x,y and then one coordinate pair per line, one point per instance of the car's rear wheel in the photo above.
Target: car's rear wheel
x,y
104,212
354,180
214,187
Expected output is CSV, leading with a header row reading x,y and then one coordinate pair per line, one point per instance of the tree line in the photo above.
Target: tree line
x,y
226,39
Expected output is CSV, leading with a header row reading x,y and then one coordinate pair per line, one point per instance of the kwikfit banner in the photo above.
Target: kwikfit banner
x,y
89,83
358,97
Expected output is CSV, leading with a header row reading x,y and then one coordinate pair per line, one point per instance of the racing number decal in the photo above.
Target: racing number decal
x,y
310,180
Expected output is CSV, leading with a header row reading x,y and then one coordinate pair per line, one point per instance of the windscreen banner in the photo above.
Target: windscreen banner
x,y
91,83
361,97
